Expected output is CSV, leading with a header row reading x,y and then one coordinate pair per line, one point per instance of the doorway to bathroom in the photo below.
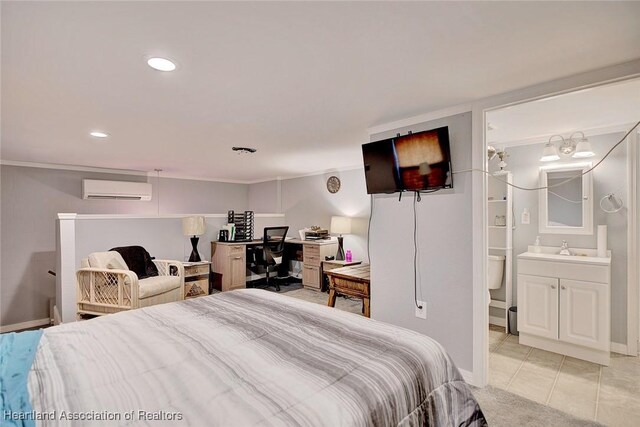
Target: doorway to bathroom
x,y
563,329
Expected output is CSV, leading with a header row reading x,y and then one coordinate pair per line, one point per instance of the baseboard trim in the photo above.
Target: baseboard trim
x,y
602,357
499,321
467,376
25,325
57,320
620,348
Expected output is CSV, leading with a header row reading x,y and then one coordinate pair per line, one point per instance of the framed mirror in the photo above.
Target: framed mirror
x,y
566,208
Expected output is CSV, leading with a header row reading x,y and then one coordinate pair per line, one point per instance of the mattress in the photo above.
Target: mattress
x,y
243,358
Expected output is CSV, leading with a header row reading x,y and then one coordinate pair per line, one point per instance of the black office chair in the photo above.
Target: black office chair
x,y
273,252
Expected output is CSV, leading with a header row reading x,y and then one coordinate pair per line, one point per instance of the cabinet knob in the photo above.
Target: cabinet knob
x,y
553,286
563,287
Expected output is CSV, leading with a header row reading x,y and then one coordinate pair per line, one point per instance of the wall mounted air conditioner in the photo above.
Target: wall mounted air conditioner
x,y
115,190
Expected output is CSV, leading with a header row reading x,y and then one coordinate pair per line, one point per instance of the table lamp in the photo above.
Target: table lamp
x,y
340,225
193,226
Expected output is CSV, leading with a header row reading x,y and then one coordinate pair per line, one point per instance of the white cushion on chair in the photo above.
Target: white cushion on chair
x,y
111,260
157,285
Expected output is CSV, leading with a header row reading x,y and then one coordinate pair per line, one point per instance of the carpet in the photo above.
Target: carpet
x,y
502,408
285,286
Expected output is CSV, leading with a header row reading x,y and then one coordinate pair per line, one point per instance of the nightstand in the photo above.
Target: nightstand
x,y
196,279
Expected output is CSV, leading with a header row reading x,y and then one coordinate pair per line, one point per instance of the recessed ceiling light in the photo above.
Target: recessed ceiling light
x,y
161,64
99,134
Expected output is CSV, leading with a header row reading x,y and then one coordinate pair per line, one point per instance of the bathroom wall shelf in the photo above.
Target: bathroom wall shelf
x,y
500,239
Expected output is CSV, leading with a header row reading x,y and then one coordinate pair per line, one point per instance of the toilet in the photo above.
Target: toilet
x,y
496,270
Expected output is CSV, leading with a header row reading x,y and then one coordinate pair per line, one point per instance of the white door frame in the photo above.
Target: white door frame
x,y
601,77
633,241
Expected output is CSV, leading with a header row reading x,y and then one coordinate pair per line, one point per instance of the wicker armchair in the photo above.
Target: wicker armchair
x,y
110,290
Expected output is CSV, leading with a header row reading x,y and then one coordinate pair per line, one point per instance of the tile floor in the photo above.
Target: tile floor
x,y
607,394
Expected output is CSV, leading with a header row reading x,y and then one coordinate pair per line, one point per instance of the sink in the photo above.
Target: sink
x,y
550,253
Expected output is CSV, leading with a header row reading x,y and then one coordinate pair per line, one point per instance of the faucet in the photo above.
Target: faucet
x,y
564,250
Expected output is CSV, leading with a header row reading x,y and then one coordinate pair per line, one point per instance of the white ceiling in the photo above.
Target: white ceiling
x,y
594,111
301,82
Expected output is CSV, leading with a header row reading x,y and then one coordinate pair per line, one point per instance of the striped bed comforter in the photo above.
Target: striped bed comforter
x,y
244,358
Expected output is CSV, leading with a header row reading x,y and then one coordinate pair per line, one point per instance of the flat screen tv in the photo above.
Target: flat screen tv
x,y
414,162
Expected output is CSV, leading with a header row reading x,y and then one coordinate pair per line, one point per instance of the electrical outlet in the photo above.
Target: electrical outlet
x,y
421,312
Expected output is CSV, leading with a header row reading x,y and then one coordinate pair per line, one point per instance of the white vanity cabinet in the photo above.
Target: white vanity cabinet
x,y
564,304
585,314
538,306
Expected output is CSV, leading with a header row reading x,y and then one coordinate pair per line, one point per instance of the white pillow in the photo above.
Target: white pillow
x,y
111,260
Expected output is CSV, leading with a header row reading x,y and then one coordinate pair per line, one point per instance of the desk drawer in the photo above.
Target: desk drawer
x,y
313,250
311,276
236,249
311,259
350,286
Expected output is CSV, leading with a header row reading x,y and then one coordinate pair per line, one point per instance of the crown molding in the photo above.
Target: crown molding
x,y
324,172
72,167
435,115
168,175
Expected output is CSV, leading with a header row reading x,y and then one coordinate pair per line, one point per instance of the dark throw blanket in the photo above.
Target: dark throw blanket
x,y
138,260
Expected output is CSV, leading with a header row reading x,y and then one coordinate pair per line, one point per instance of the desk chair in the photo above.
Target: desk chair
x,y
273,251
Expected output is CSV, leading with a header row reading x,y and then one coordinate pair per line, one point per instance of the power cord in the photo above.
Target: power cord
x,y
369,228
415,251
561,182
416,200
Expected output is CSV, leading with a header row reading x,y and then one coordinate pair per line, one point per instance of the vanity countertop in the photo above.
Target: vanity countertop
x,y
586,259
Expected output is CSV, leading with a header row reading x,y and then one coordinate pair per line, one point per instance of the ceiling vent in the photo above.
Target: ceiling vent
x,y
115,190
244,150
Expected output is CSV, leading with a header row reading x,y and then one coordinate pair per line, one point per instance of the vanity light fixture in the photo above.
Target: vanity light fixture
x,y
161,64
98,134
583,147
550,152
491,152
502,155
578,147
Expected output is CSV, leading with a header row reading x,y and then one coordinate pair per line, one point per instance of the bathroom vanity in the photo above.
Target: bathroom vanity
x,y
564,302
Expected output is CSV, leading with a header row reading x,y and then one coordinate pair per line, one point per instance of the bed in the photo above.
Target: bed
x,y
243,358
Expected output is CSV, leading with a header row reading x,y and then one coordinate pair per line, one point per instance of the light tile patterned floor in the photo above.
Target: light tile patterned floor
x,y
607,394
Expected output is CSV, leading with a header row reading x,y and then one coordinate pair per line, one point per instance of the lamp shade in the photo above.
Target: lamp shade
x,y
583,149
549,153
193,226
340,225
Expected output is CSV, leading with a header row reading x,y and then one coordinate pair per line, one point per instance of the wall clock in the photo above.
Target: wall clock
x,y
333,184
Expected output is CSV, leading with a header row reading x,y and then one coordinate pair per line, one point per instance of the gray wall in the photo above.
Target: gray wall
x,y
263,197
445,279
31,198
305,201
610,176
